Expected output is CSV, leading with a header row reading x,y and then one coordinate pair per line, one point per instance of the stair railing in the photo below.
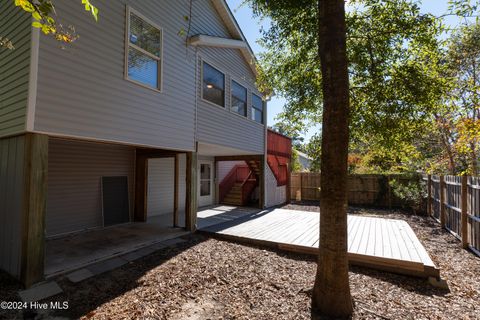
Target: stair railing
x,y
248,186
236,174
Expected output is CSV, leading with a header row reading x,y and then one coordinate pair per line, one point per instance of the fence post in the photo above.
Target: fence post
x,y
288,188
442,201
464,208
429,191
389,188
301,186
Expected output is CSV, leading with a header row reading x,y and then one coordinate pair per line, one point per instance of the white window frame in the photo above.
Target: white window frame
x,y
130,10
224,107
264,105
231,96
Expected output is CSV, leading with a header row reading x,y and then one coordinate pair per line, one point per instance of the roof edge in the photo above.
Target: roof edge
x,y
233,27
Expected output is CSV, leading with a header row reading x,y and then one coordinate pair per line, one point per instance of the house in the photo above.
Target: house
x,y
304,160
127,126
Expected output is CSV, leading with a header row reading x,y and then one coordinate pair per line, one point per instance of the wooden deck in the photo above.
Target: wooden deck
x,y
385,244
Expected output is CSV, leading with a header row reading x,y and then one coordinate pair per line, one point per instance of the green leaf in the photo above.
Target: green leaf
x,y
37,24
36,16
95,13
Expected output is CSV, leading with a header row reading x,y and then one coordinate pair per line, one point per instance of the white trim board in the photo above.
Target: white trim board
x,y
212,41
32,80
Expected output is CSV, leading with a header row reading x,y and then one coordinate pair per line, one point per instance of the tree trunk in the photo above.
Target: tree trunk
x,y
452,168
331,293
446,137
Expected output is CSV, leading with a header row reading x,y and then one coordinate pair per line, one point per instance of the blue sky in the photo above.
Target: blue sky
x,y
251,28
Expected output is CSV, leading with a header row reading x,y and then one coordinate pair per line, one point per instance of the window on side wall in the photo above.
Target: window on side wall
x,y
257,108
144,51
239,99
213,85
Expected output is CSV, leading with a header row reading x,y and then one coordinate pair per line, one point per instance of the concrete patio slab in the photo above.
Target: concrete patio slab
x,y
213,215
72,252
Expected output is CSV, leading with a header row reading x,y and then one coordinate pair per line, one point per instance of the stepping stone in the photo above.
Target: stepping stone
x,y
79,275
134,255
41,291
438,283
158,246
106,265
173,242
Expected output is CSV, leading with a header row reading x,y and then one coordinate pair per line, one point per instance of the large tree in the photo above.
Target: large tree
x,y
461,116
328,53
456,125
45,18
395,85
331,292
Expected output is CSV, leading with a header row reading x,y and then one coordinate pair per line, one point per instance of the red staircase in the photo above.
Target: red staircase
x,y
237,187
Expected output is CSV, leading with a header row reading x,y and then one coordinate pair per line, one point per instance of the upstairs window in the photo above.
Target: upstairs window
x,y
213,85
257,108
144,51
239,99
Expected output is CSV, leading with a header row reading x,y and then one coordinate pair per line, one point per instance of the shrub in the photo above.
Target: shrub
x,y
413,192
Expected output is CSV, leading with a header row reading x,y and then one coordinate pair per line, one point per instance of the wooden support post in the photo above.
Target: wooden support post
x,y
442,201
175,192
464,207
301,186
289,184
217,183
429,191
35,207
389,188
191,192
141,180
261,182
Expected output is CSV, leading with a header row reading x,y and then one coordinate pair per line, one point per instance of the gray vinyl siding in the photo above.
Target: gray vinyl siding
x,y
221,126
206,20
161,188
15,25
217,125
82,91
11,203
74,182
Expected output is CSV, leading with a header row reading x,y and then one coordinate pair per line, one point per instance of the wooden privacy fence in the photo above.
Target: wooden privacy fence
x,y
363,189
455,202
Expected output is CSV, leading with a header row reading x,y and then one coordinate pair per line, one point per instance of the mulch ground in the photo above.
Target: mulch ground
x,y
212,279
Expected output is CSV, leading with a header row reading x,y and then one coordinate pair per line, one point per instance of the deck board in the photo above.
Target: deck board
x,y
381,243
387,246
